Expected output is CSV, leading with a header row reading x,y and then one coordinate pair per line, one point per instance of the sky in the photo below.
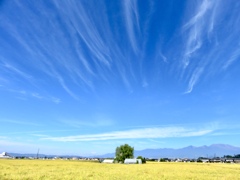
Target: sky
x,y
83,77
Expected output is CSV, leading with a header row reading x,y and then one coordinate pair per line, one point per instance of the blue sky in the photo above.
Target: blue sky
x,y
83,77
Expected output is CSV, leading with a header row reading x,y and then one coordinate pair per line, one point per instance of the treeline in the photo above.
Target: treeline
x,y
229,156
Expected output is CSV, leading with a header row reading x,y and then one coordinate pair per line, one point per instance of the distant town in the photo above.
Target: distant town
x,y
224,159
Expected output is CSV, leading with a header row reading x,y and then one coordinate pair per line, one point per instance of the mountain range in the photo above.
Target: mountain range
x,y
214,150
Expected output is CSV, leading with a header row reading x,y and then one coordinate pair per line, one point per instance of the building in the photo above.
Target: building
x,y
133,161
4,155
108,161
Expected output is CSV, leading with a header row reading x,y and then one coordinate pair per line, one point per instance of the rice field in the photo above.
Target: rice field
x,y
74,169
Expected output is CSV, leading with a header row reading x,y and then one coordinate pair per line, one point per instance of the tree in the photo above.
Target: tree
x,y
162,160
227,156
237,156
143,159
123,152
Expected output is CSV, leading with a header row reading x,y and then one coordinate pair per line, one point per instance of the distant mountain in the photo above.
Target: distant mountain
x,y
215,150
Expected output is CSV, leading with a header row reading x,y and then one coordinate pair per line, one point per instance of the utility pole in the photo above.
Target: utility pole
x,y
37,153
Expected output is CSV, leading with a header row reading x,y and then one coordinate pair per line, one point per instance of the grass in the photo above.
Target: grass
x,y
63,169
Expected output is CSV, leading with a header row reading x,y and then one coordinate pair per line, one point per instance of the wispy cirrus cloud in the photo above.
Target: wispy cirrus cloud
x,y
90,123
201,23
136,134
39,132
36,44
234,56
200,13
86,29
45,98
17,71
193,80
19,122
80,46
194,30
24,94
91,52
206,48
132,22
12,72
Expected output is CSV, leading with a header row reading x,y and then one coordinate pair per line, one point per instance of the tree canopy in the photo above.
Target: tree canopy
x,y
142,158
123,152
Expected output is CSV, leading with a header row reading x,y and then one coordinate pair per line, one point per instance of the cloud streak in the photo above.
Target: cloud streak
x,y
135,134
195,77
93,123
24,94
83,51
194,29
200,25
235,55
132,22
19,122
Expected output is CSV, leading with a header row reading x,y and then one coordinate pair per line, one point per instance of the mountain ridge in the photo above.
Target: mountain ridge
x,y
213,150
186,152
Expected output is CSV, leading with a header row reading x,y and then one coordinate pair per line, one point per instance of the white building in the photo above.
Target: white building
x,y
108,161
133,161
4,155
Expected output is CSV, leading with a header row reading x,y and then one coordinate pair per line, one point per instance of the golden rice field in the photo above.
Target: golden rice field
x,y
63,169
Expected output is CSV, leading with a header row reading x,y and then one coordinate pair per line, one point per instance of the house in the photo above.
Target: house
x,y
204,160
178,160
4,155
132,161
231,160
236,160
216,160
186,160
108,161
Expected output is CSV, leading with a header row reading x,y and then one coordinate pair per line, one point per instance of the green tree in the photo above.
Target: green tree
x,y
237,156
162,160
143,159
123,152
228,156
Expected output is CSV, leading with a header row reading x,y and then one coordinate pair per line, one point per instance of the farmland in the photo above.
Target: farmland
x,y
65,169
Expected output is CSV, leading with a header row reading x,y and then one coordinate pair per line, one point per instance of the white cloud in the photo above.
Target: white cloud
x,y
24,95
14,69
235,55
194,30
163,57
79,20
132,22
194,78
94,123
19,122
200,13
166,132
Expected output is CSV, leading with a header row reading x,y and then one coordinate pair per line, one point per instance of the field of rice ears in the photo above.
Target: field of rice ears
x,y
63,169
